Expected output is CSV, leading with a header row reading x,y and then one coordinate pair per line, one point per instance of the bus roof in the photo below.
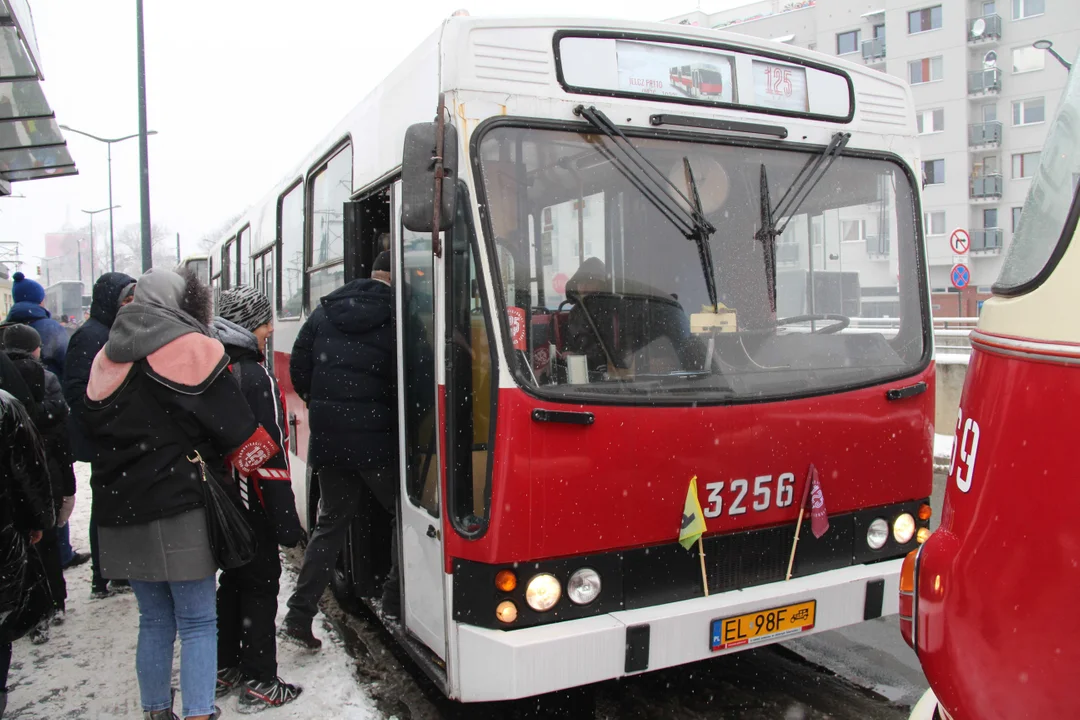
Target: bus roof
x,y
515,56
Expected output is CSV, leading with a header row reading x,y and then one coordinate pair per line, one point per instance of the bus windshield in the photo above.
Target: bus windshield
x,y
604,295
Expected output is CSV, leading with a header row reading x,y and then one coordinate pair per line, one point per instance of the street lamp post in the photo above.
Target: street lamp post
x,y
108,142
92,213
1049,47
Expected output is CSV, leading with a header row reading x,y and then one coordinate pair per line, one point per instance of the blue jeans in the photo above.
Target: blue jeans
x,y
164,607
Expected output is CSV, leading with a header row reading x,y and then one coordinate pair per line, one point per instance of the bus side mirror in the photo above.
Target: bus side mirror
x,y
418,177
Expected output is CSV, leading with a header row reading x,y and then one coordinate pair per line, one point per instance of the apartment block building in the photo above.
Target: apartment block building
x,y
983,94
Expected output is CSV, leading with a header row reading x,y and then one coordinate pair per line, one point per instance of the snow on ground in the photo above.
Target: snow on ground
x,y
943,448
87,669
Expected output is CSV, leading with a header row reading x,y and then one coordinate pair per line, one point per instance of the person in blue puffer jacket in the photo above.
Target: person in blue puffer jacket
x,y
28,310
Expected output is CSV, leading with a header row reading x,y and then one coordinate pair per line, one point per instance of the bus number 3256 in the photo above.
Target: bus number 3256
x,y
762,496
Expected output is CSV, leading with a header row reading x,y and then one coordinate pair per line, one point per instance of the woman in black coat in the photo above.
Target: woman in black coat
x,y
160,394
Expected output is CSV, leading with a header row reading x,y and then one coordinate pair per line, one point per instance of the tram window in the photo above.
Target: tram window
x,y
1045,222
291,214
243,253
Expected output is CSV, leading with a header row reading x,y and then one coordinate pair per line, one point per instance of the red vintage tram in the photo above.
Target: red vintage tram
x,y
988,601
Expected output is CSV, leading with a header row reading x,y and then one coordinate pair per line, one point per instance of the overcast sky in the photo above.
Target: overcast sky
x,y
238,90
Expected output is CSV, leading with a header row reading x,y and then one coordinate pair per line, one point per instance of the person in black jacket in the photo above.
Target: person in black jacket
x,y
111,292
247,596
160,398
342,366
22,345
26,511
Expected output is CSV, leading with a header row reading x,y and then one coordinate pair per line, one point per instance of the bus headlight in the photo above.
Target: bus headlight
x,y
903,528
877,534
543,592
584,586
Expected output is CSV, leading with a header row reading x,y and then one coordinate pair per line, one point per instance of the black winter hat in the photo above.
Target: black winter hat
x,y
21,337
382,262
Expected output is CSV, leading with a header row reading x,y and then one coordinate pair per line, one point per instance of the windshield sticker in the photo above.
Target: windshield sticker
x,y
517,326
675,72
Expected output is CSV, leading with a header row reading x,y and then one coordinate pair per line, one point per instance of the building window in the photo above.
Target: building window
x,y
925,70
990,218
1027,8
852,230
934,223
930,121
1015,218
923,20
1025,164
1029,112
1027,59
847,42
933,172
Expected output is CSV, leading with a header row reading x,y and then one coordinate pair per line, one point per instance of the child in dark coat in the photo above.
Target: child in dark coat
x,y
22,345
247,596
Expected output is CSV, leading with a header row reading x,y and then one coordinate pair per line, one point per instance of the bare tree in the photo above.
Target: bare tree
x,y
129,248
209,239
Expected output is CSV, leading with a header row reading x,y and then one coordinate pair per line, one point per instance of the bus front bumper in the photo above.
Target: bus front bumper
x,y
502,665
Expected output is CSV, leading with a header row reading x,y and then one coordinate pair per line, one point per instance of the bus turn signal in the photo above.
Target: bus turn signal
x,y
506,580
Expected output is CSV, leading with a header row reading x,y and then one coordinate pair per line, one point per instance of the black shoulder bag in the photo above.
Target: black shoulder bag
x,y
232,541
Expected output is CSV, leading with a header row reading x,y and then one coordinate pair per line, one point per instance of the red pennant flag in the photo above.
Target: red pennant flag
x,y
819,516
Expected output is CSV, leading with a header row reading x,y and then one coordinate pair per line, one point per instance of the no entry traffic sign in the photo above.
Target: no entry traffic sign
x,y
960,276
960,241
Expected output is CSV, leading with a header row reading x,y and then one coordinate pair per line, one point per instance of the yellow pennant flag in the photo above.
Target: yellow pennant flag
x,y
693,519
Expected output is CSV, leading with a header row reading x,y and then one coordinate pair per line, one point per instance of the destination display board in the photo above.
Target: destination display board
x,y
677,72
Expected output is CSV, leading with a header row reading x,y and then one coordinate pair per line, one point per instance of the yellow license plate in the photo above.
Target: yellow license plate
x,y
762,625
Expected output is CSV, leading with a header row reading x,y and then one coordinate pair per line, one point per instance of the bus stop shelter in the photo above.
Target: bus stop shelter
x,y
31,144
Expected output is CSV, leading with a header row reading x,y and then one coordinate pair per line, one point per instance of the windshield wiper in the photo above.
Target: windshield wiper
x,y
682,212
801,187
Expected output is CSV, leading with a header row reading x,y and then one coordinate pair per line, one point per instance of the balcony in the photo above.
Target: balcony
x,y
989,239
984,134
981,82
873,51
987,187
877,246
984,30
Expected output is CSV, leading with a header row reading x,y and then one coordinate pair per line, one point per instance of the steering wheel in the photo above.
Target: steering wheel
x,y
839,322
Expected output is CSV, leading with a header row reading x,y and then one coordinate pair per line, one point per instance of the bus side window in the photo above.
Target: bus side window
x,y
470,380
329,189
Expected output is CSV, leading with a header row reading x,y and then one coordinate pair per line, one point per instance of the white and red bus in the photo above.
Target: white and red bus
x,y
987,601
698,79
551,420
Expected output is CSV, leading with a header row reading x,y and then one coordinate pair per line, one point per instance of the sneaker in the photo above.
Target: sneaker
x,y
256,696
300,635
40,634
100,592
120,586
160,715
59,617
227,681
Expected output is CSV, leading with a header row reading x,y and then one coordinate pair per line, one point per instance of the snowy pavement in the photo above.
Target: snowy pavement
x,y
87,669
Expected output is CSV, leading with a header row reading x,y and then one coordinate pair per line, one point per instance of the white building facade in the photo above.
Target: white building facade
x,y
984,97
